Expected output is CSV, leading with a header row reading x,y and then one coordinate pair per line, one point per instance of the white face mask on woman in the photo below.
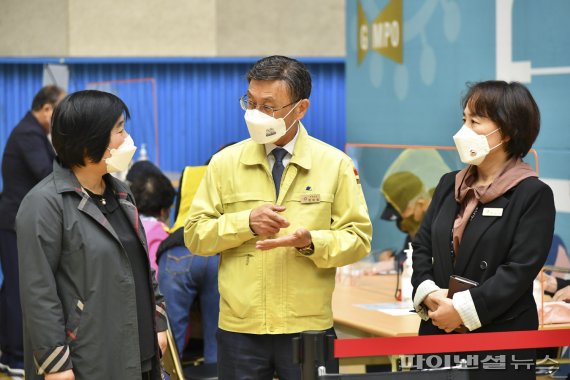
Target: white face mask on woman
x,y
265,129
121,157
472,147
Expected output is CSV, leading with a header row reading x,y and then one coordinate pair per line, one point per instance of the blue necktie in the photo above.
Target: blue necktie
x,y
277,172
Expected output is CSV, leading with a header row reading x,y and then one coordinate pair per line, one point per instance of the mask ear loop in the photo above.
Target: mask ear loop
x,y
499,144
291,110
293,123
490,133
496,146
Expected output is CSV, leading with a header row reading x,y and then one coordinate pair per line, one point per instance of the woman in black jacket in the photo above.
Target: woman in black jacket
x,y
492,223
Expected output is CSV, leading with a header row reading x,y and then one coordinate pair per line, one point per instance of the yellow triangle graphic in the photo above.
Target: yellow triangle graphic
x,y
387,32
362,34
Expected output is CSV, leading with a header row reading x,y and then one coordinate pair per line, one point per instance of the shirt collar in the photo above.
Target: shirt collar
x,y
289,147
254,154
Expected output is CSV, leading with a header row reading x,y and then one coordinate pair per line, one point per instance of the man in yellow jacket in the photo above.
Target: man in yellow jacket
x,y
284,209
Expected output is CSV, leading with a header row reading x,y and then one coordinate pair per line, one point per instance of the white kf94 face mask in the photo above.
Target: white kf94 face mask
x,y
121,157
265,129
472,147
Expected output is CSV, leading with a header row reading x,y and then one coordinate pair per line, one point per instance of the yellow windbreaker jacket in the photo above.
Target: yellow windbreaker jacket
x,y
279,291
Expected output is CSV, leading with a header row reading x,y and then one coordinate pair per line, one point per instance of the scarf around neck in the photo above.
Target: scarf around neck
x,y
469,197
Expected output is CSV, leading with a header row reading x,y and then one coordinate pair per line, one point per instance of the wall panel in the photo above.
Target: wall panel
x,y
193,104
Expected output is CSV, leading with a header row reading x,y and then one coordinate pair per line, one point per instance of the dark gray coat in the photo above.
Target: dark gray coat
x,y
76,284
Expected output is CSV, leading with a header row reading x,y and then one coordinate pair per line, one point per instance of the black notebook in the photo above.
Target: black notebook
x,y
459,284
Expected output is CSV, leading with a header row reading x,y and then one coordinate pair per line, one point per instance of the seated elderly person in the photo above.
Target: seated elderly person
x,y
154,195
183,277
558,287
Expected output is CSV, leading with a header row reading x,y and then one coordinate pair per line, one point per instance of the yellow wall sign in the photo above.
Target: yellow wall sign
x,y
383,35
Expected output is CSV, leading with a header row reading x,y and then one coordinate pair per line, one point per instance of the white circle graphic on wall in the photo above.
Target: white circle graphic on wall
x,y
414,27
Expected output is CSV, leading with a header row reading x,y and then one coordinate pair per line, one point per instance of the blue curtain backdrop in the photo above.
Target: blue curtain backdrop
x,y
193,102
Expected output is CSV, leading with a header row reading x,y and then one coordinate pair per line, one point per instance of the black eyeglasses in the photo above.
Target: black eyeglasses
x,y
247,104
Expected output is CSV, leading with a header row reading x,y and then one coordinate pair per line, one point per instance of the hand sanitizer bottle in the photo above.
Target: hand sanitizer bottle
x,y
406,278
143,155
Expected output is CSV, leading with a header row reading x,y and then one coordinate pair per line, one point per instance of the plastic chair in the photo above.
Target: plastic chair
x,y
170,361
171,364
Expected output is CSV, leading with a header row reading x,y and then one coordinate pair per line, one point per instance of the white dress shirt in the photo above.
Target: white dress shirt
x,y
289,147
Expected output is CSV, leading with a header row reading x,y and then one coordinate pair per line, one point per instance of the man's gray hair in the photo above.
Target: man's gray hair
x,y
292,72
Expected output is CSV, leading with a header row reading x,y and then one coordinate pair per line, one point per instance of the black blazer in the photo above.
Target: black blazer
x,y
27,159
503,254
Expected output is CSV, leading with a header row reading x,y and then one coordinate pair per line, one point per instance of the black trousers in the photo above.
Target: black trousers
x,y
11,335
259,357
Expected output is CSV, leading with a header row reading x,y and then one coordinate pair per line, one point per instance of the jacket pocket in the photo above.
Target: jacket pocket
x,y
245,200
310,288
73,320
240,280
313,216
176,265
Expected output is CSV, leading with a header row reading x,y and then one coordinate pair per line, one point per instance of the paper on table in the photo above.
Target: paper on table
x,y
392,308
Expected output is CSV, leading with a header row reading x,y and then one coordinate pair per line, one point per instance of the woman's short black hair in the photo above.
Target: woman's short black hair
x,y
82,124
153,193
510,106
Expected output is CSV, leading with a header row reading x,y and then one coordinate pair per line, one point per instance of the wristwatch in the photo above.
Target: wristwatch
x,y
307,251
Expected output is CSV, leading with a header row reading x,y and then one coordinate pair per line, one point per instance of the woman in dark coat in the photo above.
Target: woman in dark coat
x,y
492,223
91,307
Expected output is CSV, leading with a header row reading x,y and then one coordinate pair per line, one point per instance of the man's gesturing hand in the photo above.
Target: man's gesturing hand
x,y
299,239
265,220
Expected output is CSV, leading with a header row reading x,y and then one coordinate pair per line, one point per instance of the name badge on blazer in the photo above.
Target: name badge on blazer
x,y
310,198
492,211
